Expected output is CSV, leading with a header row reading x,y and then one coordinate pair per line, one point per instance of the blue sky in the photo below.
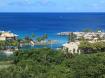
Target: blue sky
x,y
52,5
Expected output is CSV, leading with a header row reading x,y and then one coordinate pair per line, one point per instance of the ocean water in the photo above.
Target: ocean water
x,y
25,24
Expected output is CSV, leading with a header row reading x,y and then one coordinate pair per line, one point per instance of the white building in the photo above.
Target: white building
x,y
86,35
71,47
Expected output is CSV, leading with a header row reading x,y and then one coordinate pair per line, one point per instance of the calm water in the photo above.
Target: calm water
x,y
24,24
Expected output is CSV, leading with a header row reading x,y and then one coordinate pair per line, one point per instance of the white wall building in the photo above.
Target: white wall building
x,y
72,47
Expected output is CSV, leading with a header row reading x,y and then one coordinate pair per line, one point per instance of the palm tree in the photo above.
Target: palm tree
x,y
33,35
27,40
71,37
45,36
39,39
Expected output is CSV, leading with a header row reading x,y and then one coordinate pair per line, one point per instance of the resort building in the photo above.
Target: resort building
x,y
71,48
7,36
86,35
91,37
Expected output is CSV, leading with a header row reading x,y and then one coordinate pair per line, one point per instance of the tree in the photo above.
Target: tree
x,y
15,43
86,47
2,45
27,38
98,36
45,36
39,39
33,35
71,37
48,63
82,39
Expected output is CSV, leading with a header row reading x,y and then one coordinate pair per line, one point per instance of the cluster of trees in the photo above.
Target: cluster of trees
x,y
33,36
87,47
4,44
26,40
44,37
47,63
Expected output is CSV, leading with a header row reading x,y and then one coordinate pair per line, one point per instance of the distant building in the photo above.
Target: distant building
x,y
7,36
71,47
86,35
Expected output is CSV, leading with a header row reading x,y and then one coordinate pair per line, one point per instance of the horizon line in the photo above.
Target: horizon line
x,y
52,12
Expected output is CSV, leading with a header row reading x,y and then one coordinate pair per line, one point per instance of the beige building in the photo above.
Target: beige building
x,y
7,36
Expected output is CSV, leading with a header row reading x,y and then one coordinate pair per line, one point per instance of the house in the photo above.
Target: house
x,y
71,47
7,36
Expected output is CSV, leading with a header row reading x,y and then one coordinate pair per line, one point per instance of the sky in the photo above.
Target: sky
x,y
52,5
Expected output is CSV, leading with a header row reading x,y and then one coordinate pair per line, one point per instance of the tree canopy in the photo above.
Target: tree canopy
x,y
48,63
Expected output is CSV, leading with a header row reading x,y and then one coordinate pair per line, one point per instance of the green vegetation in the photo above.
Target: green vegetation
x,y
4,44
7,44
33,35
48,63
87,47
44,37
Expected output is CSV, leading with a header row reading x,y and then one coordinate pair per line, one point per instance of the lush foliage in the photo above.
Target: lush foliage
x,y
4,44
44,37
87,47
47,63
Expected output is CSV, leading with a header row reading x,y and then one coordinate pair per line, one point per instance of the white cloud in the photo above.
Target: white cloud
x,y
31,3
